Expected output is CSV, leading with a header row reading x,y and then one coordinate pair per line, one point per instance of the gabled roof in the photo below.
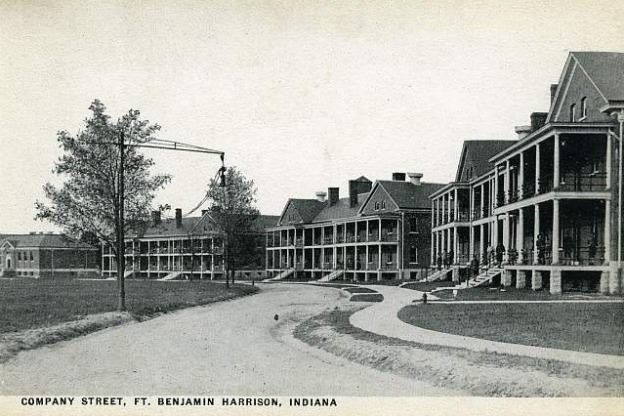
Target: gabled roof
x,y
406,195
46,240
307,208
476,154
342,209
606,70
200,225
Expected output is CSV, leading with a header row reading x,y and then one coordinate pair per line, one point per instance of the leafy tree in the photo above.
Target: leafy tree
x,y
232,208
88,202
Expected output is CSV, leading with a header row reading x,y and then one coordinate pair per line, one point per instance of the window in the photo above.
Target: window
x,y
413,225
383,204
377,206
19,255
572,112
583,107
32,257
413,254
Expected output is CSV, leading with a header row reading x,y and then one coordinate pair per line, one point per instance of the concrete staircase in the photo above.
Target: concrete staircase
x,y
282,275
485,277
332,276
437,276
172,276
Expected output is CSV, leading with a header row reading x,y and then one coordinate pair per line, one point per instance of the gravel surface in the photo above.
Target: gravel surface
x,y
234,347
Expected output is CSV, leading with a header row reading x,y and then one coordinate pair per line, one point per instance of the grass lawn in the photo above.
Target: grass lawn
x,y
511,293
428,286
572,326
34,303
359,290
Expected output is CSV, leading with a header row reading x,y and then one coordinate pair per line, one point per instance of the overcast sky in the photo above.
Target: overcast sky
x,y
300,96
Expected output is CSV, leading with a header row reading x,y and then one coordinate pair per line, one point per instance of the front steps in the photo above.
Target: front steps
x,y
282,275
336,274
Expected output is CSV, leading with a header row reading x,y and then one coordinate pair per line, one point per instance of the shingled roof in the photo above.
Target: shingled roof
x,y
409,196
46,240
342,209
476,154
606,69
191,225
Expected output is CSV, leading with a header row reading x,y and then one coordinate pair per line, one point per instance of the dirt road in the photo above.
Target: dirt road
x,y
229,348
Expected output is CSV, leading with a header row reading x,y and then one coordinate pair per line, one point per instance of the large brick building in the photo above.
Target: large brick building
x,y
183,247
547,201
45,255
381,230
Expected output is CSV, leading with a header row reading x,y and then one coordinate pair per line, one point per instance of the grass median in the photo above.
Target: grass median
x,y
33,303
586,327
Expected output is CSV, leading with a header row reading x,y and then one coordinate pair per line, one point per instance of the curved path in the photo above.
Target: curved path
x,y
381,318
228,348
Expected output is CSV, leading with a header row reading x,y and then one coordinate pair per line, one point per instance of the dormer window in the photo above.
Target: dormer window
x,y
573,113
583,108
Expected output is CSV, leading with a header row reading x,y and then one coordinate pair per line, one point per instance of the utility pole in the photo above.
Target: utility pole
x,y
153,144
121,238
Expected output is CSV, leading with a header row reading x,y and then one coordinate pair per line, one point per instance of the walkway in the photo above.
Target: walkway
x,y
381,318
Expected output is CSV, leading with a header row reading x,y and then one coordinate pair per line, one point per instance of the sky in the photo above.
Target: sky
x,y
300,95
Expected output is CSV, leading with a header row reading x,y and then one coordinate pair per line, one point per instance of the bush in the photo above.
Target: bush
x,y
9,273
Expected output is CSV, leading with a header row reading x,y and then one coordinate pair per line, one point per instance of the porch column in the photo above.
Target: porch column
x,y
432,254
607,231
471,243
506,236
495,233
448,240
481,241
556,163
608,161
521,176
496,173
482,200
448,218
456,206
520,235
366,265
536,231
555,234
537,168
507,180
455,246
379,237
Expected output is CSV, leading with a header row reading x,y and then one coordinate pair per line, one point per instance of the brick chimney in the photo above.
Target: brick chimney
x,y
321,195
415,177
538,120
334,195
155,218
522,131
553,91
358,186
398,176
178,212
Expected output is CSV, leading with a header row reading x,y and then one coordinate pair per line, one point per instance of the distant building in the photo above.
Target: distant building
x,y
548,200
379,231
46,256
183,247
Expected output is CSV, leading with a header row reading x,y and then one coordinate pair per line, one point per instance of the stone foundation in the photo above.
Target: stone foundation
x,y
506,278
536,280
521,279
555,282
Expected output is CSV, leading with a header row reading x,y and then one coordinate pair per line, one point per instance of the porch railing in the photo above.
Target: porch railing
x,y
582,256
583,182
